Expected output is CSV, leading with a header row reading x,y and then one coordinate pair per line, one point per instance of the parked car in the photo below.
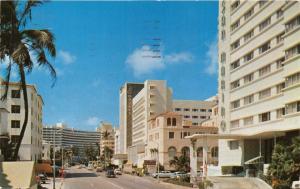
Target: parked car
x,y
162,174
179,175
42,178
296,185
118,172
110,174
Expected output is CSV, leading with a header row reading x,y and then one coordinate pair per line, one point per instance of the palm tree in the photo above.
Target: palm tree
x,y
181,163
23,48
105,135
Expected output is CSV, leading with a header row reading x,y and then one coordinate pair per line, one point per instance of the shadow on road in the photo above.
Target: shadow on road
x,y
74,175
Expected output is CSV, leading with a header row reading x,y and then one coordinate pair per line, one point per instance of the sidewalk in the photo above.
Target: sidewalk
x,y
49,183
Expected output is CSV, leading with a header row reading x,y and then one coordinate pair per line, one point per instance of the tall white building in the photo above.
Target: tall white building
x,y
12,118
259,77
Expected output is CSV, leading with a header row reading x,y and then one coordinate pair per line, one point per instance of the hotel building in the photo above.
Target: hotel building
x,y
107,136
259,77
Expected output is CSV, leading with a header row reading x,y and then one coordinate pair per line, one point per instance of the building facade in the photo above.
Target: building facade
x,y
13,117
67,138
127,92
107,136
259,77
167,133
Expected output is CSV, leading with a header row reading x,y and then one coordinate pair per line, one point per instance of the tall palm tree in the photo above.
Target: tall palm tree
x,y
23,48
181,163
105,135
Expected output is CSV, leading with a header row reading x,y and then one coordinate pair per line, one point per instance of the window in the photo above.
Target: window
x,y
209,110
177,109
186,109
235,124
203,110
15,109
292,24
248,78
173,121
222,71
248,99
214,152
248,14
235,84
248,57
186,116
279,13
15,94
200,152
185,151
172,152
234,145
223,35
292,52
280,113
235,104
15,124
292,79
279,38
248,121
248,35
266,46
235,64
171,135
14,138
262,3
235,25
195,117
223,57
195,123
280,62
264,93
264,70
168,121
202,117
293,107
222,84
195,110
235,45
264,117
235,5
264,24
152,87
279,87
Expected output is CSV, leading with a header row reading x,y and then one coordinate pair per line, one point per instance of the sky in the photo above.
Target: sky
x,y
102,45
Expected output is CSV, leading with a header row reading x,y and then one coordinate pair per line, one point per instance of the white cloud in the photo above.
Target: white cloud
x,y
212,58
66,57
93,121
144,60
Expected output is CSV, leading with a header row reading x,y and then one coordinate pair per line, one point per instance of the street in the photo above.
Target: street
x,y
85,179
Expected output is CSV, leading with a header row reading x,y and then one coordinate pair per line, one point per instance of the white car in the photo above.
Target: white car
x,y
179,174
118,172
162,174
296,185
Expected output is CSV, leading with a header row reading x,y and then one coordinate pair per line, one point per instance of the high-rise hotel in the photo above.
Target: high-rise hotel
x,y
259,77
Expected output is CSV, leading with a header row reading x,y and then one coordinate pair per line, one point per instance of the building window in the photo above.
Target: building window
x,y
14,138
293,107
214,152
264,117
223,34
235,25
173,121
292,24
15,109
235,64
195,123
292,79
292,52
15,94
248,78
266,46
234,145
248,121
235,5
200,152
235,104
223,84
264,93
279,38
168,121
248,14
235,45
280,113
186,109
280,87
223,57
248,99
235,124
235,84
177,109
223,71
195,117
248,35
186,116
280,62
15,124
195,110
171,135
209,110
185,151
202,117
264,24
248,57
172,152
264,70
262,3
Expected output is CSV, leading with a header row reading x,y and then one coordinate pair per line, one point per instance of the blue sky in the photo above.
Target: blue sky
x,y
101,45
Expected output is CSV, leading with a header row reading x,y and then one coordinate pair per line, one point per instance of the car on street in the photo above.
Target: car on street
x,y
118,172
162,174
296,185
110,174
179,175
42,178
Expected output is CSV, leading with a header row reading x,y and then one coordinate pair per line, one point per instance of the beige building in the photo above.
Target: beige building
x,y
107,136
46,148
259,77
167,132
13,117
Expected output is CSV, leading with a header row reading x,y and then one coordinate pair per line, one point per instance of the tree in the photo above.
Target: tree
x,y
181,163
6,146
23,48
91,153
285,164
108,153
105,135
75,151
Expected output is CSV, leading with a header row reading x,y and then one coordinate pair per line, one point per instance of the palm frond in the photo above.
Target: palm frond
x,y
27,11
6,81
21,56
42,61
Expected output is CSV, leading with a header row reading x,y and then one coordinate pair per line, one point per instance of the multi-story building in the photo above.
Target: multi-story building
x,y
194,111
259,77
13,117
67,138
107,136
127,93
166,139
46,150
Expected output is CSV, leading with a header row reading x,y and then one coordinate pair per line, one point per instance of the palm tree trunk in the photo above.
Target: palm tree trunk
x,y
24,89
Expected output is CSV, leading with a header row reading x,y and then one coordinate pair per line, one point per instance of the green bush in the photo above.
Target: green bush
x,y
205,184
232,170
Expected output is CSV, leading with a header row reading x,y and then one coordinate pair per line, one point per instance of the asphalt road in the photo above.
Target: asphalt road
x,y
85,179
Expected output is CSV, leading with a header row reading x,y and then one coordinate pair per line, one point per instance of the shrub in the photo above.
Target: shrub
x,y
205,184
232,170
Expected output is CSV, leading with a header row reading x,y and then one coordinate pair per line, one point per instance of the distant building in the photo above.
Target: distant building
x,y
46,150
12,117
69,137
107,136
